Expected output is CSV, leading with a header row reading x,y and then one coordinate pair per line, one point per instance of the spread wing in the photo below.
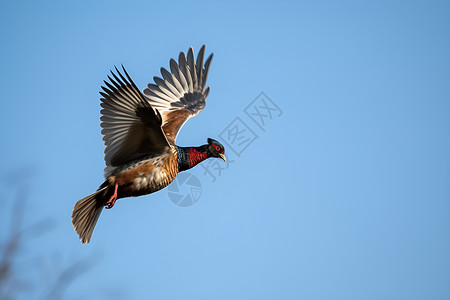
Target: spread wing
x,y
131,127
180,93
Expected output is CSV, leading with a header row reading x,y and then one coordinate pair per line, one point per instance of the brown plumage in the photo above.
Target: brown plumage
x,y
139,131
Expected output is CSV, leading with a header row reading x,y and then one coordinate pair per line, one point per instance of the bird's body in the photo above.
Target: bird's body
x,y
146,175
139,133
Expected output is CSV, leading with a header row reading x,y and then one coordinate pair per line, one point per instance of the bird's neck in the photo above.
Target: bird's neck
x,y
188,157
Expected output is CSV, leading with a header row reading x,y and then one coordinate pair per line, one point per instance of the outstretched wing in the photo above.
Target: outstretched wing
x,y
131,127
181,93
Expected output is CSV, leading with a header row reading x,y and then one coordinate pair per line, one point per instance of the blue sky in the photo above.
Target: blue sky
x,y
346,195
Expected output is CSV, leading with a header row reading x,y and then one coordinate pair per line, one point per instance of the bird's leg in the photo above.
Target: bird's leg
x,y
113,198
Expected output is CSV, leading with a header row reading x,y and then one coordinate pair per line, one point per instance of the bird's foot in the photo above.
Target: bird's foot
x,y
110,203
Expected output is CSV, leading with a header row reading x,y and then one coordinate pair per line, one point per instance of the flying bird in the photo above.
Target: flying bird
x,y
139,132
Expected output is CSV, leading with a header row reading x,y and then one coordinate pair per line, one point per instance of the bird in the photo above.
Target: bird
x,y
139,132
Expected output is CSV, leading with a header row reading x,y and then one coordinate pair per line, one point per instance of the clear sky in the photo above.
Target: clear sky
x,y
343,194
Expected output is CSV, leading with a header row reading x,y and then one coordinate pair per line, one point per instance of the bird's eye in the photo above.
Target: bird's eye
x,y
217,148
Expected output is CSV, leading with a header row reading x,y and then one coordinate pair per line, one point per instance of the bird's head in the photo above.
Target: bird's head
x,y
215,149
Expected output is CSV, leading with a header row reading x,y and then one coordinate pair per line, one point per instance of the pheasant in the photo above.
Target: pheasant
x,y
139,132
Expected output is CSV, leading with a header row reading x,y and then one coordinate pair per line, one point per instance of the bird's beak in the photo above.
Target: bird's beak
x,y
222,157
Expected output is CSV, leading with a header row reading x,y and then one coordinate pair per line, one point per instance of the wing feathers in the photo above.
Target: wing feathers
x,y
167,76
199,66
157,91
182,89
205,73
178,75
191,65
184,69
166,87
206,92
131,127
135,124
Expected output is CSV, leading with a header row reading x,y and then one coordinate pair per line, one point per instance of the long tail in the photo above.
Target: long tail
x,y
85,214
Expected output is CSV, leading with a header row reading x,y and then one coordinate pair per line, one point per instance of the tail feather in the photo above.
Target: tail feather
x,y
86,213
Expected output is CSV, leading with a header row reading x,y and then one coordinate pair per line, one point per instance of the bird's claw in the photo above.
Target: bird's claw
x,y
110,203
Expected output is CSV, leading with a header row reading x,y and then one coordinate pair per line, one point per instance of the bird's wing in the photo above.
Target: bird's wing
x,y
180,93
131,127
